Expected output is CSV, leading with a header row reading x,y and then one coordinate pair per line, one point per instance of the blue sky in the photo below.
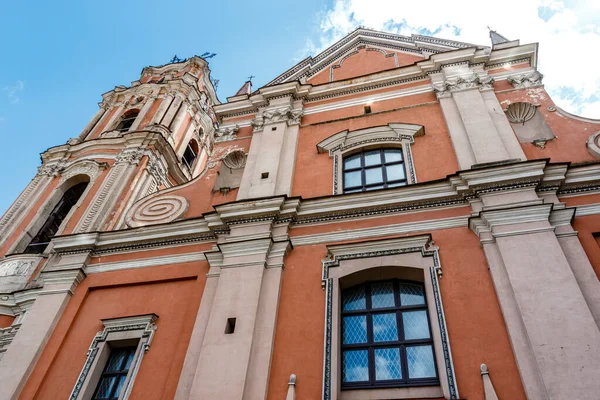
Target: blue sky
x,y
59,57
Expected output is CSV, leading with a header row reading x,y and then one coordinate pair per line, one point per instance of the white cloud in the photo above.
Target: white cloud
x,y
12,91
568,32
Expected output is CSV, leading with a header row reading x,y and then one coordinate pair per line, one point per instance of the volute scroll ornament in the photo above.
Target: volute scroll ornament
x,y
593,144
157,210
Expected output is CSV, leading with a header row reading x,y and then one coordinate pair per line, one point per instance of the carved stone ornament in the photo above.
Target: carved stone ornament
x,y
51,168
157,210
520,112
158,171
17,267
227,131
258,123
73,141
85,167
526,80
16,270
593,144
130,156
235,159
459,83
292,117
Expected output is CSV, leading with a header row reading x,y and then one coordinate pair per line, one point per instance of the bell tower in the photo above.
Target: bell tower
x,y
154,134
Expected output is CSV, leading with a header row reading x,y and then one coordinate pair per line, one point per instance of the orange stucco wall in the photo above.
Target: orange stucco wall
x,y
173,292
314,172
363,62
6,320
475,324
571,134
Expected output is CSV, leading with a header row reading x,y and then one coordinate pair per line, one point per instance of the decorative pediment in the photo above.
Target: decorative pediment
x,y
390,132
422,46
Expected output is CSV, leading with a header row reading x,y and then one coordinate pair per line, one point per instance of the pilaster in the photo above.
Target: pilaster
x,y
60,277
270,166
236,321
470,107
552,330
142,114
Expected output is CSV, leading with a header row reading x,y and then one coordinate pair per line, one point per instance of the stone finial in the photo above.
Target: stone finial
x,y
488,389
291,394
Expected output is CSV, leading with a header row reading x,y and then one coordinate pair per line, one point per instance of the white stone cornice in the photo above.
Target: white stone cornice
x,y
144,262
381,231
489,221
358,249
587,209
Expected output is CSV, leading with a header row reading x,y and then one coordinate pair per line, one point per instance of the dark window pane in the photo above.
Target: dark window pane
x,y
356,366
354,299
105,387
372,158
119,387
420,362
411,294
373,175
352,179
55,219
382,295
387,364
415,325
395,172
393,155
116,360
355,329
385,328
352,162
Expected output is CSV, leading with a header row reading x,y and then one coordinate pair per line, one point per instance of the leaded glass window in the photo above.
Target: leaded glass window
x,y
374,169
114,375
386,336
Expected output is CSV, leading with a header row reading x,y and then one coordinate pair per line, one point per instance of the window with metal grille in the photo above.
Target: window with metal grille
x,y
114,375
127,120
386,336
190,154
57,216
374,169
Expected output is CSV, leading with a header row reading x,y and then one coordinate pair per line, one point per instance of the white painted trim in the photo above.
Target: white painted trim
x,y
378,231
587,209
368,99
144,262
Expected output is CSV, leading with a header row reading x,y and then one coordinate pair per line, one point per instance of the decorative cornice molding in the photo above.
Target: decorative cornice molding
x,y
527,80
460,83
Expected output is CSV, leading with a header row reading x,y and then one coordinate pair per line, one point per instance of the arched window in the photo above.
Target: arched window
x,y
386,336
55,219
127,120
190,154
374,169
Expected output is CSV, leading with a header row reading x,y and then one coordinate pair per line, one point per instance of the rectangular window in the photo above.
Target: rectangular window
x,y
114,374
374,169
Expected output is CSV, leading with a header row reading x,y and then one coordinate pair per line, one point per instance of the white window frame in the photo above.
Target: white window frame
x,y
141,327
406,257
393,135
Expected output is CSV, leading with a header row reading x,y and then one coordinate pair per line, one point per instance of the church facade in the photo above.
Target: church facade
x,y
394,218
